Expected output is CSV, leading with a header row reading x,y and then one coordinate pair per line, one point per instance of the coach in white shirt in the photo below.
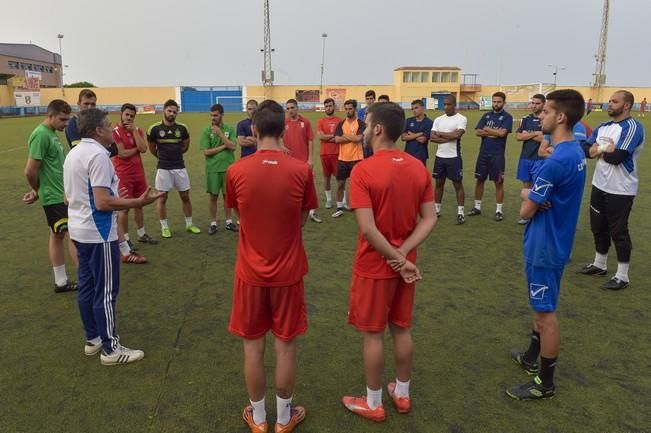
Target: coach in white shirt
x,y
90,187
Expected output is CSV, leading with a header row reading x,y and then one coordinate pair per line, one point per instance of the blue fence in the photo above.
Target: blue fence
x,y
199,99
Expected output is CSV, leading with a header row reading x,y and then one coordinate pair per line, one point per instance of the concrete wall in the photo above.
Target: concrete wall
x,y
113,95
283,93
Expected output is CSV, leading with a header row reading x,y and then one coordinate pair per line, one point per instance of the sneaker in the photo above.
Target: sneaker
x,y
530,368
146,239
499,216
70,286
460,219
166,232
474,211
297,414
93,347
438,214
531,391
328,205
247,416
193,229
523,221
592,270
232,227
121,355
402,404
132,247
359,406
315,217
339,212
213,229
134,258
615,284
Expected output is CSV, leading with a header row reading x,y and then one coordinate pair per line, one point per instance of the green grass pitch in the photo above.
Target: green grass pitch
x,y
471,309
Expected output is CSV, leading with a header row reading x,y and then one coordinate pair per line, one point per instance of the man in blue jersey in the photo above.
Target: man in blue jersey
x,y
552,204
617,144
531,136
87,99
245,137
369,96
493,128
417,132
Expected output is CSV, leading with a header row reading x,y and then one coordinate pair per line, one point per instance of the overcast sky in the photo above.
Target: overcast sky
x,y
218,42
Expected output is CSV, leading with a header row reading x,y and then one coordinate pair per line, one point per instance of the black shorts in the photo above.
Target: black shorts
x,y
57,217
344,168
491,166
451,168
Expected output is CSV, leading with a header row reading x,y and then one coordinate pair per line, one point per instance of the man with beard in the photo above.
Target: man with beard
x,y
329,150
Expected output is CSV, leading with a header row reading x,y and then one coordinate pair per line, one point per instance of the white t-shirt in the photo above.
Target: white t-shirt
x,y
445,123
88,165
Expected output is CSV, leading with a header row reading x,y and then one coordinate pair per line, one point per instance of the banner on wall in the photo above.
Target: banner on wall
x,y
339,95
308,96
27,99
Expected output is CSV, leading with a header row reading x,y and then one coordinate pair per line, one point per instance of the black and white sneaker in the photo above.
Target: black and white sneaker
x,y
213,229
339,212
531,391
315,217
592,270
474,211
93,347
131,246
615,284
146,239
70,286
121,355
460,219
499,216
518,357
232,227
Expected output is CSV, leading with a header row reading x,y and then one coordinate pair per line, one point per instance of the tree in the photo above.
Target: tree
x,y
80,84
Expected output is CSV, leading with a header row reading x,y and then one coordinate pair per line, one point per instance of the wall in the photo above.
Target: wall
x,y
6,96
113,95
524,93
283,93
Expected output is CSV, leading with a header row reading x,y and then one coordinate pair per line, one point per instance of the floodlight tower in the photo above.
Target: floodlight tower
x,y
267,73
600,70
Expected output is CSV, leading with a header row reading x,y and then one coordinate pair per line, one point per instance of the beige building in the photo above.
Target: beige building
x,y
17,59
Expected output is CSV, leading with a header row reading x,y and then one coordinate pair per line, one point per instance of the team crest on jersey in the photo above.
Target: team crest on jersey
x,y
161,133
537,291
398,159
302,125
500,118
227,134
541,186
177,133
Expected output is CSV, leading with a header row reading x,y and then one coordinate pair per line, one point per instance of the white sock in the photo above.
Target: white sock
x,y
141,231
163,223
340,205
328,195
311,212
214,223
402,388
345,196
478,204
229,221
60,276
460,210
124,248
622,271
126,237
437,206
600,260
283,409
259,412
188,221
373,398
499,207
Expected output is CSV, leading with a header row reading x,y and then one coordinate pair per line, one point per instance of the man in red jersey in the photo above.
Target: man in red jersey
x,y
393,200
131,142
272,193
298,139
329,151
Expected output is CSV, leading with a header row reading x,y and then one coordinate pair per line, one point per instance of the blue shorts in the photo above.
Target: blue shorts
x,y
528,169
451,168
544,285
491,166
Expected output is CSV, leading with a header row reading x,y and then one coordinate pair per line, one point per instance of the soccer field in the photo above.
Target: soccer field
x,y
471,308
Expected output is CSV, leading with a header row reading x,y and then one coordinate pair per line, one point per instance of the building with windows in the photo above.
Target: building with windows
x,y
16,59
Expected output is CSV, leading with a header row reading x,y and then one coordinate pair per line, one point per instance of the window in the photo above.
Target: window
x,y
436,77
406,77
454,77
13,65
445,77
424,77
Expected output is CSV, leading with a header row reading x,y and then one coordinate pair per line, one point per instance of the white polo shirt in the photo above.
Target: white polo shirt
x,y
89,166
445,123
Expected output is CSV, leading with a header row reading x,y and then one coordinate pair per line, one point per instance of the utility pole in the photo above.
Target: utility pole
x,y
324,36
267,73
600,69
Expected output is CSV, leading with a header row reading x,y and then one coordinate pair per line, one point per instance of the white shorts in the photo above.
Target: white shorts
x,y
168,179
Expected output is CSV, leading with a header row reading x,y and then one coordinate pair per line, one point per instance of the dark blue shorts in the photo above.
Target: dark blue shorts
x,y
451,168
528,169
491,166
544,285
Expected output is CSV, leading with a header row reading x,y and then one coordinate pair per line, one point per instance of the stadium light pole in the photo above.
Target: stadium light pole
x,y
555,73
60,37
324,36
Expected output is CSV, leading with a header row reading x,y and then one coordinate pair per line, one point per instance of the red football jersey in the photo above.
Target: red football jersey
x,y
394,184
131,167
297,134
328,125
270,191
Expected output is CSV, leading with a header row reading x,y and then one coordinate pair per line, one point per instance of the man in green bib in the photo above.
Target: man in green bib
x,y
44,173
218,146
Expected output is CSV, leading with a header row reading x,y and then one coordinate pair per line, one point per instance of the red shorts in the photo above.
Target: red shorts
x,y
329,164
373,303
135,185
256,310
